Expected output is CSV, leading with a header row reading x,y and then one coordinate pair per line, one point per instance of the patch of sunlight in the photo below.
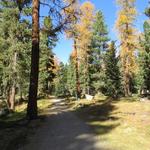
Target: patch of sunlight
x,y
44,104
20,110
129,131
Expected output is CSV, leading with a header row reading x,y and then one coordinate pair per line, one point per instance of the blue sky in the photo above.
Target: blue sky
x,y
109,9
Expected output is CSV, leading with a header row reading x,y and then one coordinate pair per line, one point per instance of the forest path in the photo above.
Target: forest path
x,y
63,130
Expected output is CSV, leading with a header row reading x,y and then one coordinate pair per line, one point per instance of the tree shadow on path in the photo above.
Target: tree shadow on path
x,y
63,130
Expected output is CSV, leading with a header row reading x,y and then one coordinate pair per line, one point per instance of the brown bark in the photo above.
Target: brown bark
x,y
32,103
12,89
12,97
77,70
126,62
127,85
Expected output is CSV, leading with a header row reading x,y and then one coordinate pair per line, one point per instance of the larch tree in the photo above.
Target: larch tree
x,y
127,35
72,33
84,41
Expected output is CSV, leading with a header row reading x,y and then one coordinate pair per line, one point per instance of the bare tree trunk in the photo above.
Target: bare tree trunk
x,y
12,90
77,70
12,97
32,103
127,91
20,93
8,97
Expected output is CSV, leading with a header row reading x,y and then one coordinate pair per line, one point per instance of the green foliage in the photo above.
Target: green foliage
x,y
144,59
61,80
98,46
46,73
15,40
48,23
147,11
112,74
71,78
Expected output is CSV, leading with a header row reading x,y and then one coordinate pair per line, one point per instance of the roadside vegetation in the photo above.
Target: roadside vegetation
x,y
108,78
120,124
15,127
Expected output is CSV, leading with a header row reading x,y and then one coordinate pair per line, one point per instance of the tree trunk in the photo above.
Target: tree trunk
x,y
20,93
32,103
87,77
12,90
77,70
12,97
127,91
126,64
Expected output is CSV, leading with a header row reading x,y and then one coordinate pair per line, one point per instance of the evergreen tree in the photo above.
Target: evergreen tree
x,y
61,20
98,46
112,74
145,57
15,38
61,80
71,77
46,68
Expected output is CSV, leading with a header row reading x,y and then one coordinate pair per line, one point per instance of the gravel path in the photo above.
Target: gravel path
x,y
63,130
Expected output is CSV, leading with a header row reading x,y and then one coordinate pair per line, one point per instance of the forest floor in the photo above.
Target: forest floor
x,y
122,124
14,128
62,130
102,124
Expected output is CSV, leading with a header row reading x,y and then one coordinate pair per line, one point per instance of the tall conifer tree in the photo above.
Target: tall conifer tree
x,y
98,48
145,56
127,35
112,73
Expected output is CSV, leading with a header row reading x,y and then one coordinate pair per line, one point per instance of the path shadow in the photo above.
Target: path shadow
x,y
100,116
62,129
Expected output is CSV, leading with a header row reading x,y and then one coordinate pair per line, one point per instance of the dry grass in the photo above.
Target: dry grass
x,y
20,110
120,124
14,128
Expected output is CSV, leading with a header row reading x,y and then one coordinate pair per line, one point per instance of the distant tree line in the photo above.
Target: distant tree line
x,y
29,68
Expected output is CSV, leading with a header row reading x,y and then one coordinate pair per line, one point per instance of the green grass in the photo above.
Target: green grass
x,y
20,111
14,128
119,124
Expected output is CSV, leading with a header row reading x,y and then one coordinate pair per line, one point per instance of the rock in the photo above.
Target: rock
x,y
144,99
89,97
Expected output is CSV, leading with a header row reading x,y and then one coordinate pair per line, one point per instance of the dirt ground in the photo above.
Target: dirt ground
x,y
62,130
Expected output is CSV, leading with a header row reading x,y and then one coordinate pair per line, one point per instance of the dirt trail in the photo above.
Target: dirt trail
x,y
63,130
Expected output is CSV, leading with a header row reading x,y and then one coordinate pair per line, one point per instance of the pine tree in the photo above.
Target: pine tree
x,y
33,87
71,76
145,57
112,74
127,36
15,38
46,68
61,21
61,80
98,47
